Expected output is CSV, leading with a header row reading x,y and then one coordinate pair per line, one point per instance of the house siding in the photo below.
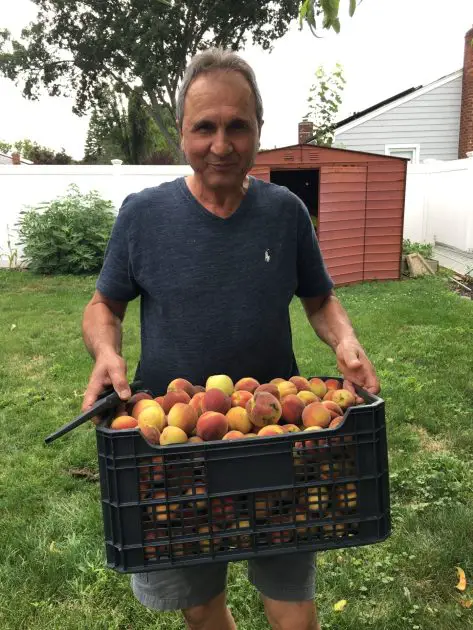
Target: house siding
x,y
431,120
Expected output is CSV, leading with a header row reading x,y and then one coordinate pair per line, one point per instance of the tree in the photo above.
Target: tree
x,y
81,46
324,101
312,10
36,153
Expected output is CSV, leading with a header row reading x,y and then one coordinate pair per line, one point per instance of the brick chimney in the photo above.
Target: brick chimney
x,y
16,158
306,131
466,120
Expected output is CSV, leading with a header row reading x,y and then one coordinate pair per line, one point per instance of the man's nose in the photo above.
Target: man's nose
x,y
221,144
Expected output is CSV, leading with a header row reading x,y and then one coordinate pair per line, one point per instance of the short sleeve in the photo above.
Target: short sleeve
x,y
116,280
313,278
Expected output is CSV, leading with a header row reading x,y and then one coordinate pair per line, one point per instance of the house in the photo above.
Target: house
x,y
434,121
14,158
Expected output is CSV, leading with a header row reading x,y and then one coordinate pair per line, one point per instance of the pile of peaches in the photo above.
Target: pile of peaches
x,y
223,410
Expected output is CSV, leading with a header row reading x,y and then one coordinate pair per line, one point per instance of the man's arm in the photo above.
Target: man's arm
x,y
102,333
331,323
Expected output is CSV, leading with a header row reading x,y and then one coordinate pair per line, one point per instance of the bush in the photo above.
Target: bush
x,y
424,249
67,235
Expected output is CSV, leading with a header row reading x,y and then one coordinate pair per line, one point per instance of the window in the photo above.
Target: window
x,y
409,151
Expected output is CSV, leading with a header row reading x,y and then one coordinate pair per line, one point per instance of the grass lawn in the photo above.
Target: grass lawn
x,y
52,573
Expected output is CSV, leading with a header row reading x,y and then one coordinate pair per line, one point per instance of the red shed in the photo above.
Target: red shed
x,y
357,200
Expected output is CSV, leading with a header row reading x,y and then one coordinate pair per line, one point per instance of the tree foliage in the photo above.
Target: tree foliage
x,y
30,150
323,13
325,98
84,47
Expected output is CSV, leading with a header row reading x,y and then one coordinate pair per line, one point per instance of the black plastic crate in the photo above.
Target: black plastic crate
x,y
191,504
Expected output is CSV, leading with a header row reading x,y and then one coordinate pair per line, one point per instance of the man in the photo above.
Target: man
x,y
216,258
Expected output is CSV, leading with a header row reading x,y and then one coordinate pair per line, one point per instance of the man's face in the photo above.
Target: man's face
x,y
220,132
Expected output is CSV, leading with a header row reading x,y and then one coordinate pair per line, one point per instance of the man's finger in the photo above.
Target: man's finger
x,y
91,395
120,383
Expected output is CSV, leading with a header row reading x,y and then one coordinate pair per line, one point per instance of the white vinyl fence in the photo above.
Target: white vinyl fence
x,y
439,203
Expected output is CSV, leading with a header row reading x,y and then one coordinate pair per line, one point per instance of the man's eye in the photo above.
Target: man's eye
x,y
204,127
238,125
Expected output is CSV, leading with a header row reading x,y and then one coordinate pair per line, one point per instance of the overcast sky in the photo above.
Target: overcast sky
x,y
387,47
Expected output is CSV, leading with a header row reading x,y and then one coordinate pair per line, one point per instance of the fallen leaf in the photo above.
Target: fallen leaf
x,y
339,606
85,473
461,586
53,548
466,603
12,327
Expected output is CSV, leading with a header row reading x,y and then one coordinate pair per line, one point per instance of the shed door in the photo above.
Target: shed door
x,y
342,218
261,172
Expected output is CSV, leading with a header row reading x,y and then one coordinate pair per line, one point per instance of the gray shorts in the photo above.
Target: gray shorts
x,y
288,577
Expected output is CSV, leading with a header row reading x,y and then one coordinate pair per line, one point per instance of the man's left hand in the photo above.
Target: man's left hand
x,y
356,368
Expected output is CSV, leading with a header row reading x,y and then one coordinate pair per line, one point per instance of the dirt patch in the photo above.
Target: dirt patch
x,y
462,285
430,443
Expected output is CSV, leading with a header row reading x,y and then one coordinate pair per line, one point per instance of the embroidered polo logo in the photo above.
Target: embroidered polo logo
x,y
267,257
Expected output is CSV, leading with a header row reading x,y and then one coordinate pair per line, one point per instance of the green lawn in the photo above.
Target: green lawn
x,y
52,574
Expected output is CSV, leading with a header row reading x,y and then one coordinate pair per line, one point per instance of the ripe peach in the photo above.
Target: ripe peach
x,y
343,398
179,384
301,383
346,496
216,400
241,540
332,383
212,425
223,509
195,492
264,409
316,414
318,387
198,389
332,407
336,422
196,403
182,416
270,388
318,499
150,433
159,400
171,398
159,512
172,435
251,435
239,420
283,536
247,384
153,416
276,381
292,408
158,468
131,402
286,388
307,397
329,394
142,404
233,435
290,428
210,541
271,429
240,398
264,502
220,381
124,422
195,439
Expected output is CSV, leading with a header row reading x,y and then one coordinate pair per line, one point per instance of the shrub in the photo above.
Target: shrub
x,y
67,235
424,249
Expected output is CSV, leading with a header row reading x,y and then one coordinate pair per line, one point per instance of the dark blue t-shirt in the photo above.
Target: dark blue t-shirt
x,y
215,292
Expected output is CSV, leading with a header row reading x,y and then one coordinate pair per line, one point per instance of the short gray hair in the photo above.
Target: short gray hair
x,y
213,60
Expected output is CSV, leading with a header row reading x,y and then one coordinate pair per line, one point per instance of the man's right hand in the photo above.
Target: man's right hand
x,y
109,369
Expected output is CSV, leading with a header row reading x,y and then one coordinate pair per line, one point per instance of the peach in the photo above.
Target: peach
x,y
196,403
195,439
251,435
233,435
172,435
316,414
121,410
153,416
142,404
271,388
264,409
240,398
286,388
301,383
283,536
159,512
346,496
329,394
336,422
241,540
290,428
292,408
318,499
158,468
205,544
198,389
159,400
183,416
318,387
216,400
131,402
271,429
195,492
212,425
307,397
223,509
150,433
276,381
171,398
124,422
247,384
220,381
179,384
263,505
343,398
239,420
332,383
333,408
